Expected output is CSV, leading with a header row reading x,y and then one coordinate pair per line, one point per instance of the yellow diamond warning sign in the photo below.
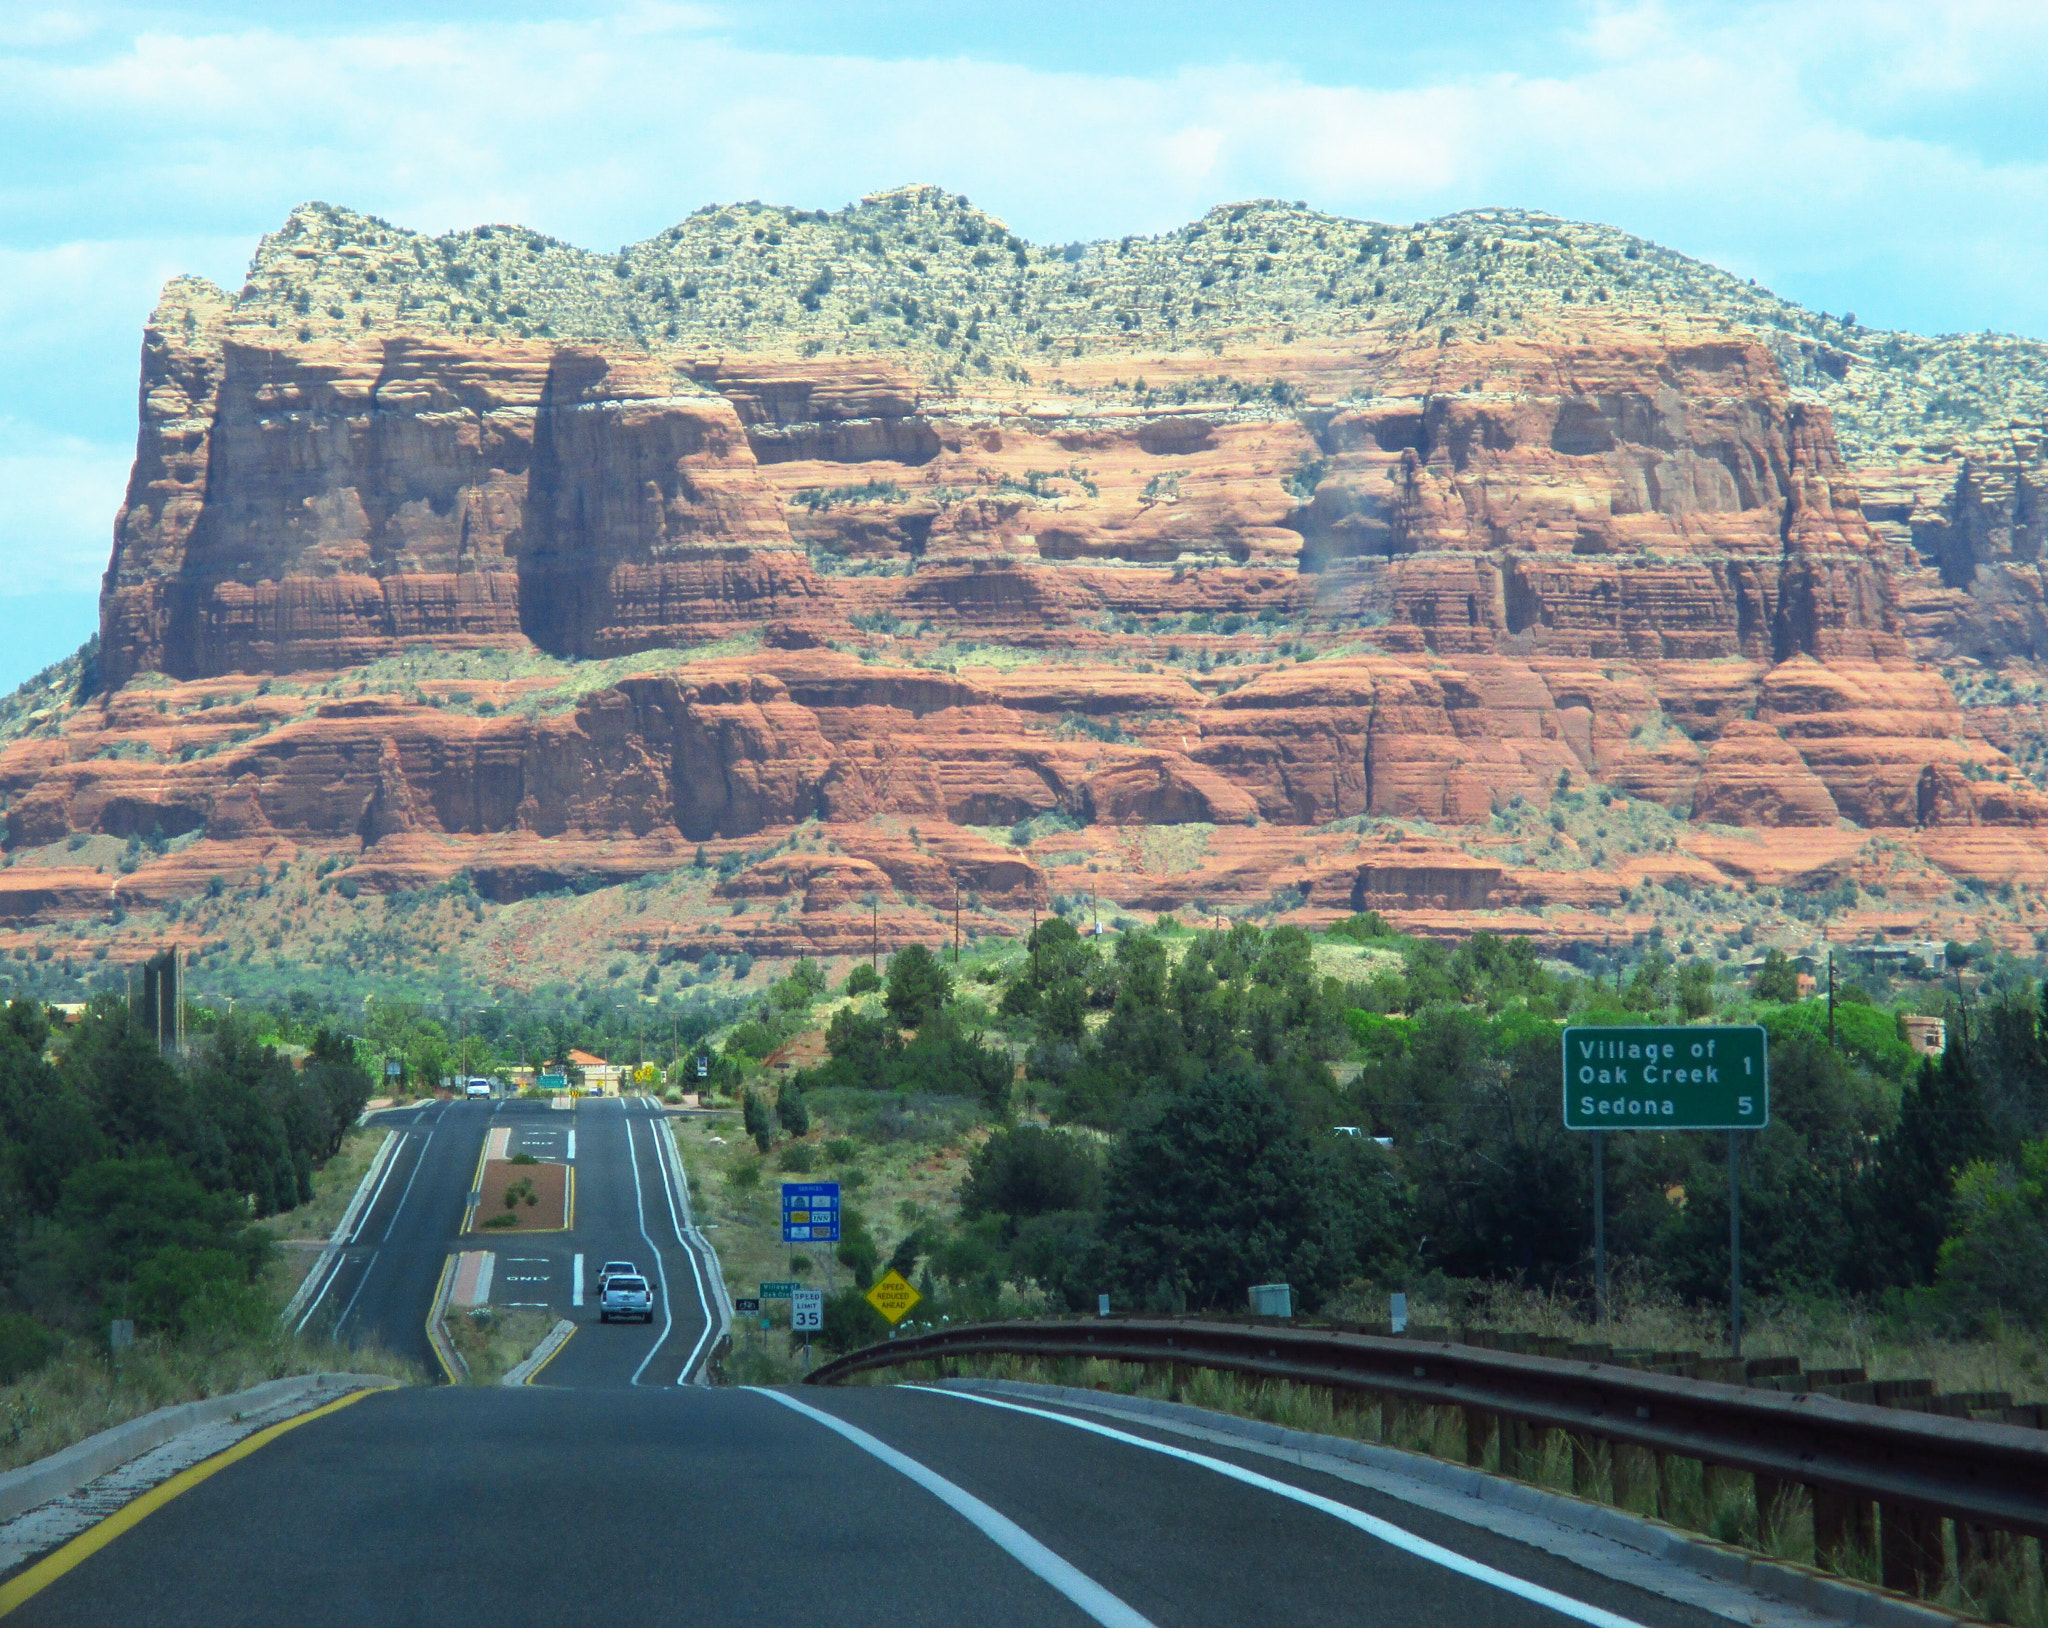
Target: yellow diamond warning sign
x,y
893,1297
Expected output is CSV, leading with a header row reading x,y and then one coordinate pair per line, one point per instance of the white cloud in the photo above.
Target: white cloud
x,y
58,495
1823,147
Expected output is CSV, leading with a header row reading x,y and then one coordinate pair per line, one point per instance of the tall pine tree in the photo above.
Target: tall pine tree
x,y
1908,1188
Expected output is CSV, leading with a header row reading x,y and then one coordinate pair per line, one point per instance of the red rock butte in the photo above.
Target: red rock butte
x,y
1285,625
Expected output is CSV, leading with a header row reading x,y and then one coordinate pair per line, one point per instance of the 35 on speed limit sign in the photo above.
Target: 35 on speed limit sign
x,y
807,1311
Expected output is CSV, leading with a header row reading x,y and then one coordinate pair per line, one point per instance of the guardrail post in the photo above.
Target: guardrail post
x,y
1773,1506
1841,1522
1634,1472
1911,1546
1592,1464
1482,1430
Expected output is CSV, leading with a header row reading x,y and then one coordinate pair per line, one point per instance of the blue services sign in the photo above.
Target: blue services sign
x,y
810,1212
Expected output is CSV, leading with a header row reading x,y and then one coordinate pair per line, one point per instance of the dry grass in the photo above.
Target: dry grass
x,y
899,1184
1822,1336
493,1340
334,1184
82,1392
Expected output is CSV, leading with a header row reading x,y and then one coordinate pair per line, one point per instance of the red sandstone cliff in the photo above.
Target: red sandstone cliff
x,y
1613,558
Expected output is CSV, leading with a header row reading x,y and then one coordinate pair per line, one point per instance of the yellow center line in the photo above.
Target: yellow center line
x,y
550,1357
44,1572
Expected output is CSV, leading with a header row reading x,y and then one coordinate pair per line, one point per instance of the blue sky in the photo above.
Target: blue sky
x,y
1883,158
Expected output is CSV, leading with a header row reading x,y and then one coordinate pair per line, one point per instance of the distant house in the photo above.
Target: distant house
x,y
598,1072
1926,957
1928,1036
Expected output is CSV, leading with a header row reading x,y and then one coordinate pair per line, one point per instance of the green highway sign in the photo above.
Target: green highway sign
x,y
777,1291
1705,1078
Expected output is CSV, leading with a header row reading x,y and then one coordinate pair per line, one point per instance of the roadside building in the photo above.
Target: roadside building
x,y
1928,1036
596,1071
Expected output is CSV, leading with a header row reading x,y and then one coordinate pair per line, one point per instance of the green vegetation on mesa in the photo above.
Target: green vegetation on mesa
x,y
927,274
1162,1124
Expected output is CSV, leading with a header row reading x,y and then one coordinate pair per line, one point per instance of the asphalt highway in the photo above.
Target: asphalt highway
x,y
630,1204
685,1505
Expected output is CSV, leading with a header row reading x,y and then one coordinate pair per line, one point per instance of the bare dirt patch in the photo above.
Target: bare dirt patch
x,y
539,1193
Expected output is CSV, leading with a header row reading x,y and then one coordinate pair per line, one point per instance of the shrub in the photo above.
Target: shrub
x,y
523,1158
745,1176
505,1220
862,979
1029,1171
799,1158
850,1322
842,1150
25,1345
760,1126
918,987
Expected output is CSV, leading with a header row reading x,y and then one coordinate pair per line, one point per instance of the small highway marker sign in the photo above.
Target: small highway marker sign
x,y
893,1296
810,1212
746,1306
807,1311
777,1291
1705,1078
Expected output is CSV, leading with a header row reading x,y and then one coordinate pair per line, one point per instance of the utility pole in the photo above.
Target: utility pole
x,y
956,924
1831,996
874,933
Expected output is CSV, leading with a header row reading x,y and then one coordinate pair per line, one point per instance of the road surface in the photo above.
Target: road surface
x,y
629,1205
673,1504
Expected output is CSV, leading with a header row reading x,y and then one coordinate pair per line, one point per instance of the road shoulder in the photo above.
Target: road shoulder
x,y
1683,1567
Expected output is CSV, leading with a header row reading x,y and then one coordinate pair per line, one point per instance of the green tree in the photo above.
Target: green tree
x,y
1993,1266
1030,1170
1776,980
918,987
760,1123
1696,989
1221,1188
793,1112
862,979
1944,1125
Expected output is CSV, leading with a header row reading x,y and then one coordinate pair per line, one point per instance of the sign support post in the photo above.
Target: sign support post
x,y
1600,1227
1705,1077
1734,1245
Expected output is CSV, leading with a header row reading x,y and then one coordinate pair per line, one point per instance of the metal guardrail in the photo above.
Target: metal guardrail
x,y
1880,1477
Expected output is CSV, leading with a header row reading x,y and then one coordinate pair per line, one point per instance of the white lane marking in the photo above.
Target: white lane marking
x,y
418,1159
355,1235
576,1283
659,1129
1371,1525
572,1147
640,1215
370,1209
351,1306
998,1528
